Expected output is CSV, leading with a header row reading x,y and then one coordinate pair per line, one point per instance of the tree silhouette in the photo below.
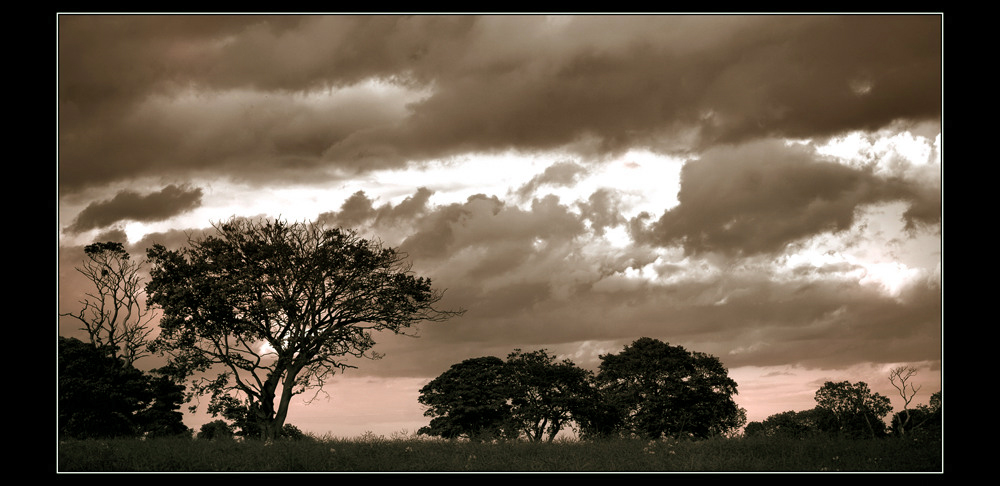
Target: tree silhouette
x,y
113,314
663,390
545,394
857,409
899,377
469,400
275,308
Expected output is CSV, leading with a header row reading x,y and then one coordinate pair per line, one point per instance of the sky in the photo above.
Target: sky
x,y
766,189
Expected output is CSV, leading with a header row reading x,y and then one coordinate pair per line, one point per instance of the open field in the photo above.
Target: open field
x,y
377,454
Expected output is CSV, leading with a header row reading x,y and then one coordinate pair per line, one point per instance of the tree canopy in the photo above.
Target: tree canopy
x,y
531,395
101,396
275,308
545,394
661,390
469,400
858,410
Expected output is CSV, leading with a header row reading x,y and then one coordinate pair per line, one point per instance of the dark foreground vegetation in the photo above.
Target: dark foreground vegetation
x,y
371,453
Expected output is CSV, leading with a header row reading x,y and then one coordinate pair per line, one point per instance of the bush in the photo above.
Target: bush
x,y
216,430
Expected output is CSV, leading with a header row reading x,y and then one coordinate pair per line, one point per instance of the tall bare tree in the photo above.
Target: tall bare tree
x,y
113,313
900,379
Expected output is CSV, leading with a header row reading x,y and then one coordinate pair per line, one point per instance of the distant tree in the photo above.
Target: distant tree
x,y
276,308
469,400
99,396
544,393
899,377
216,430
922,421
113,314
162,418
792,424
857,409
291,432
665,390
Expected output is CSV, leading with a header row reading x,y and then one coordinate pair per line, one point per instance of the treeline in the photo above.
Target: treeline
x,y
650,389
851,410
263,310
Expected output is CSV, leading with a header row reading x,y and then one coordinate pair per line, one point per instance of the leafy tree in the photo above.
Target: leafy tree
x,y
599,415
291,432
858,410
793,424
162,418
113,314
469,400
100,396
103,396
275,308
544,394
216,430
665,390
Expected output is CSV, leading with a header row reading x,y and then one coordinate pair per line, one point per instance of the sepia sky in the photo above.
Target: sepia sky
x,y
762,188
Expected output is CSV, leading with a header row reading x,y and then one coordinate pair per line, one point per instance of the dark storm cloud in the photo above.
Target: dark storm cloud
x,y
132,88
132,206
759,197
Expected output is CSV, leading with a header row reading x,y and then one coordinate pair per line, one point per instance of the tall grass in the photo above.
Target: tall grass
x,y
372,453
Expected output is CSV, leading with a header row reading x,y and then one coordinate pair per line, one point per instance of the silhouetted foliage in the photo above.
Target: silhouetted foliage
x,y
163,418
291,432
469,400
661,390
113,314
859,412
216,430
791,424
100,396
544,394
922,421
531,395
277,308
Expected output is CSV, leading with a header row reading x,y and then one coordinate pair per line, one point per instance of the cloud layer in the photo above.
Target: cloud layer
x,y
764,188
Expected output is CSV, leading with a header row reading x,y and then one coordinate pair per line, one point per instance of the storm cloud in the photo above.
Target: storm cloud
x,y
763,188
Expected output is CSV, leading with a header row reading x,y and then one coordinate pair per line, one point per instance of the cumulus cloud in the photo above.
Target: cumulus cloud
x,y
759,197
132,206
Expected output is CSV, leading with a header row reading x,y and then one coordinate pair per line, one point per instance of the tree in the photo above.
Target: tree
x,y
923,420
99,396
899,377
792,424
113,314
103,396
275,308
663,390
216,430
469,400
544,394
857,409
162,418
103,393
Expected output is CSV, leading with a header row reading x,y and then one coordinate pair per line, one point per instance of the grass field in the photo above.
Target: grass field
x,y
372,453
